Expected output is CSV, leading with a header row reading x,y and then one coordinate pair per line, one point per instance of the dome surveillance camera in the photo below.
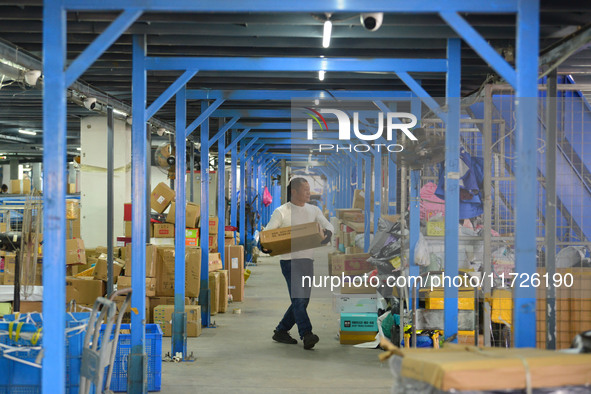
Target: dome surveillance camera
x,y
372,21
160,131
31,77
90,103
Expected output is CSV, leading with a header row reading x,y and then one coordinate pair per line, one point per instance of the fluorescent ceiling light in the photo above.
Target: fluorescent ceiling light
x,y
321,75
78,148
28,132
326,35
118,112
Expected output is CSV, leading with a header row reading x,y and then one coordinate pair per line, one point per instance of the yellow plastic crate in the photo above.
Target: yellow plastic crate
x,y
501,307
436,229
434,300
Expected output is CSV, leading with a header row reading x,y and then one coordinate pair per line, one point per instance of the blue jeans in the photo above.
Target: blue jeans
x,y
293,271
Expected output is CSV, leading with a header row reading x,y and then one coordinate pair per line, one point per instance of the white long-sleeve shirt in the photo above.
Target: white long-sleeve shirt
x,y
289,214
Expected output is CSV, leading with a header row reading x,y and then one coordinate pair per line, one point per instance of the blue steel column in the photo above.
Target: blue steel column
x,y
368,202
452,202
415,226
234,179
222,197
137,381
377,198
179,321
54,197
204,295
359,171
242,227
393,170
524,311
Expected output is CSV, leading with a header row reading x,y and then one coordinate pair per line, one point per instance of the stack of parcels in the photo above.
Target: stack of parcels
x,y
358,317
163,317
218,285
458,368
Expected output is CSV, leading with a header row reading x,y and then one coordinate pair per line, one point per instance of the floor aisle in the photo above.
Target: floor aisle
x,y
239,355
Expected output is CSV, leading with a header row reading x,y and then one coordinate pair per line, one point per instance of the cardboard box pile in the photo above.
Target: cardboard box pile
x,y
358,328
235,265
223,291
161,197
292,239
191,214
214,290
165,271
163,317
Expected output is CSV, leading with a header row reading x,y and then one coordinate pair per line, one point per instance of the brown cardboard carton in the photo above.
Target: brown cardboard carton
x,y
342,212
214,290
292,239
215,262
71,293
357,264
161,197
163,317
165,271
88,289
100,269
15,186
151,260
235,265
31,306
213,243
335,263
9,267
213,225
356,217
359,200
223,306
163,230
71,188
192,212
75,253
128,229
3,227
121,299
124,282
26,186
157,301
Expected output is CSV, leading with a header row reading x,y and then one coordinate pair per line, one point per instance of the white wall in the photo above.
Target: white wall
x,y
93,178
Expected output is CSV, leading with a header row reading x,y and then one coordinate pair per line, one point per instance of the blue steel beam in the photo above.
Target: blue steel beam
x,y
480,45
242,227
137,370
528,32
452,179
169,92
222,131
179,320
242,153
295,64
367,202
204,296
419,91
101,44
288,95
308,6
206,111
53,373
222,191
236,139
234,189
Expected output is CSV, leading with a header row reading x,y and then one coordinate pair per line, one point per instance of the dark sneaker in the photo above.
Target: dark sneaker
x,y
283,337
310,340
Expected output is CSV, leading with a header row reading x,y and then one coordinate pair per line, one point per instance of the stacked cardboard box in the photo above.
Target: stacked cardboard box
x,y
235,265
191,214
292,239
163,317
165,271
214,290
358,327
157,301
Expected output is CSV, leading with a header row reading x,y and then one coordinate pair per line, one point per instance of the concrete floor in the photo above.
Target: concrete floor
x,y
240,356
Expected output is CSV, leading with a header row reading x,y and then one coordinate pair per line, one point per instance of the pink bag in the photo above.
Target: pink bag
x,y
267,198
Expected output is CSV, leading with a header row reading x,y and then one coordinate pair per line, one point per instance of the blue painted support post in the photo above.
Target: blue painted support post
x,y
242,221
524,311
368,202
452,192
222,198
179,319
137,381
54,197
359,171
415,228
377,198
393,171
234,180
204,295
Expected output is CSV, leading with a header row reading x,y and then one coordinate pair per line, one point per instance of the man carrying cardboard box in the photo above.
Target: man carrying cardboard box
x,y
297,265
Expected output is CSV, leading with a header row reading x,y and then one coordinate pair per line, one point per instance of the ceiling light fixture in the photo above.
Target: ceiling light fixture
x,y
327,33
78,148
28,132
321,75
119,112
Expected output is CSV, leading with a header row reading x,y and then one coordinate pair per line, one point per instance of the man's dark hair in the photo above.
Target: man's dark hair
x,y
4,187
295,183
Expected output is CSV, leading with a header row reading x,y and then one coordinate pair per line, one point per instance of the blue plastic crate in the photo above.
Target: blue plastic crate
x,y
153,352
22,378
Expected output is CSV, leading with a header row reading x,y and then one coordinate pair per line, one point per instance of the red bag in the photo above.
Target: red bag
x,y
267,198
